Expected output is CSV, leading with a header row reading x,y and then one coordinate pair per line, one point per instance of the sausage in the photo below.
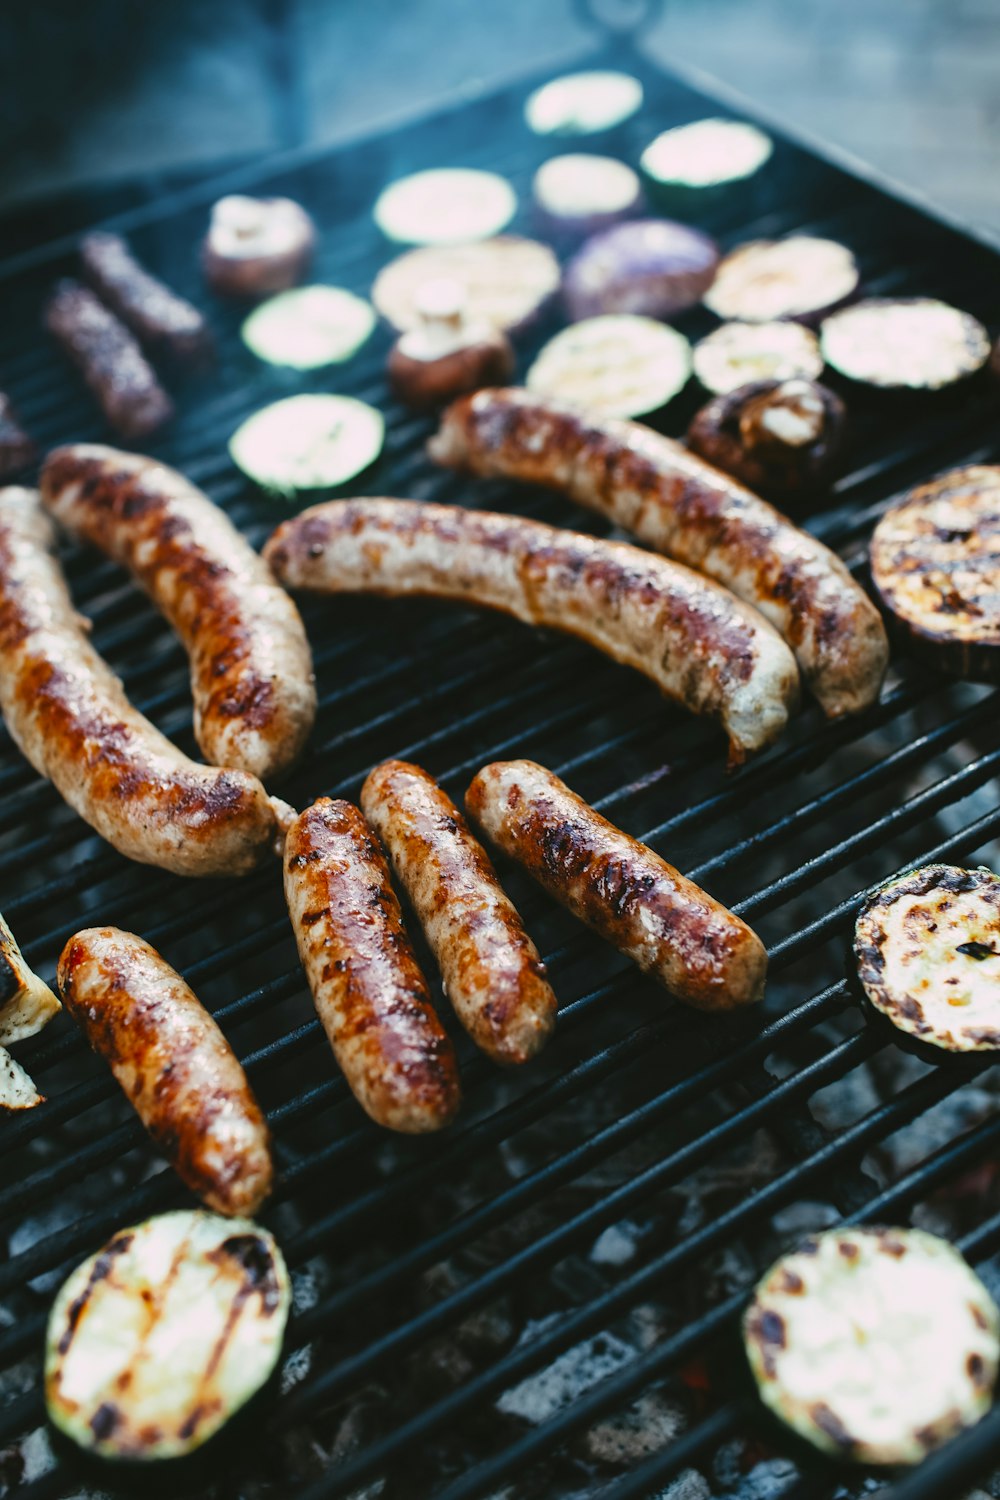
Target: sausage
x,y
177,1070
681,506
492,973
698,643
68,714
368,990
251,668
161,320
17,449
665,923
110,361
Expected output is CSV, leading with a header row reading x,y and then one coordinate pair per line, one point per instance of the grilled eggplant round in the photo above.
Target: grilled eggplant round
x,y
935,562
652,267
875,1345
738,353
905,343
801,277
781,438
927,957
158,1339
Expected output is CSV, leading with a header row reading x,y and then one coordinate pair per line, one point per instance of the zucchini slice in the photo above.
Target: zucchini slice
x,y
801,277
583,103
308,443
905,343
506,281
309,327
578,194
927,951
445,206
158,1339
692,165
618,366
738,353
876,1345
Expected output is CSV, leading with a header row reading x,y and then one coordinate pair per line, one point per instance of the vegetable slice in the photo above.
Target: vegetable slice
x,y
583,103
618,366
876,1345
506,281
308,442
309,327
706,153
17,1090
915,343
738,353
799,277
649,266
445,206
935,561
579,194
927,949
26,1002
158,1339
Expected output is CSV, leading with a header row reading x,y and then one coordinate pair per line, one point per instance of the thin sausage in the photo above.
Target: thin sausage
x,y
366,984
683,507
174,1064
161,320
492,973
17,449
251,668
68,714
698,643
665,923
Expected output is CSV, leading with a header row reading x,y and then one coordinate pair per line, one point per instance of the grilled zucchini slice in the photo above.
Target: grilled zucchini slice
x,y
26,1002
876,1345
158,1339
905,343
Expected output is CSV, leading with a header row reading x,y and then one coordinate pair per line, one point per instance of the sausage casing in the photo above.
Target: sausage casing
x,y
68,714
174,1064
251,668
683,507
366,984
158,317
699,644
492,973
670,927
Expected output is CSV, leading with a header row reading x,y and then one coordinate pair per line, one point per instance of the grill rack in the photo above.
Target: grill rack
x,y
473,689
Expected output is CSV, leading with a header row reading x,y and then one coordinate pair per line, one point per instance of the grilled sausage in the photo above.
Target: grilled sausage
x,y
160,319
251,669
176,1067
110,361
681,506
368,990
17,449
492,973
698,643
665,923
68,714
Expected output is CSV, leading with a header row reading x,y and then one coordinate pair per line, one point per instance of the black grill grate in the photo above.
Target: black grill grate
x,y
631,1087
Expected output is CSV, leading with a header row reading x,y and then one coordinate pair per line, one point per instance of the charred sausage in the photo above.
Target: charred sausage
x,y
110,361
697,642
683,507
665,923
368,990
68,714
176,1067
492,973
251,669
161,320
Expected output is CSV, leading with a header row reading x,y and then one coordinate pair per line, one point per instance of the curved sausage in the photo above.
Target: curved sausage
x,y
251,668
174,1064
698,643
68,714
492,973
665,923
368,990
683,507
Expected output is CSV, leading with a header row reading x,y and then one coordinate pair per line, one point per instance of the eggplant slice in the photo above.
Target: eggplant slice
x,y
615,366
935,563
875,1345
905,343
927,951
801,277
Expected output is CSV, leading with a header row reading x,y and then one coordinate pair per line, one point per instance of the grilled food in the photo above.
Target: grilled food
x,y
693,167
68,714
507,281
781,438
699,644
927,951
615,366
583,103
257,246
26,1005
800,277
163,322
251,668
307,443
158,1339
173,1063
652,267
17,449
739,353
448,354
666,924
309,327
445,206
935,562
876,1345
492,973
905,343
368,990
578,194
683,507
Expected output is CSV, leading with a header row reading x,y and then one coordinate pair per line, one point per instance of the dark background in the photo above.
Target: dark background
x,y
93,92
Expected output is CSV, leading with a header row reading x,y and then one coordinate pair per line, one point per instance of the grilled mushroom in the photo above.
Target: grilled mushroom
x,y
779,437
257,246
447,355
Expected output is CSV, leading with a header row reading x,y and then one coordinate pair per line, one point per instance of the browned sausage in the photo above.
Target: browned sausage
x,y
368,990
670,927
161,320
251,668
683,507
697,642
492,973
176,1067
68,713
